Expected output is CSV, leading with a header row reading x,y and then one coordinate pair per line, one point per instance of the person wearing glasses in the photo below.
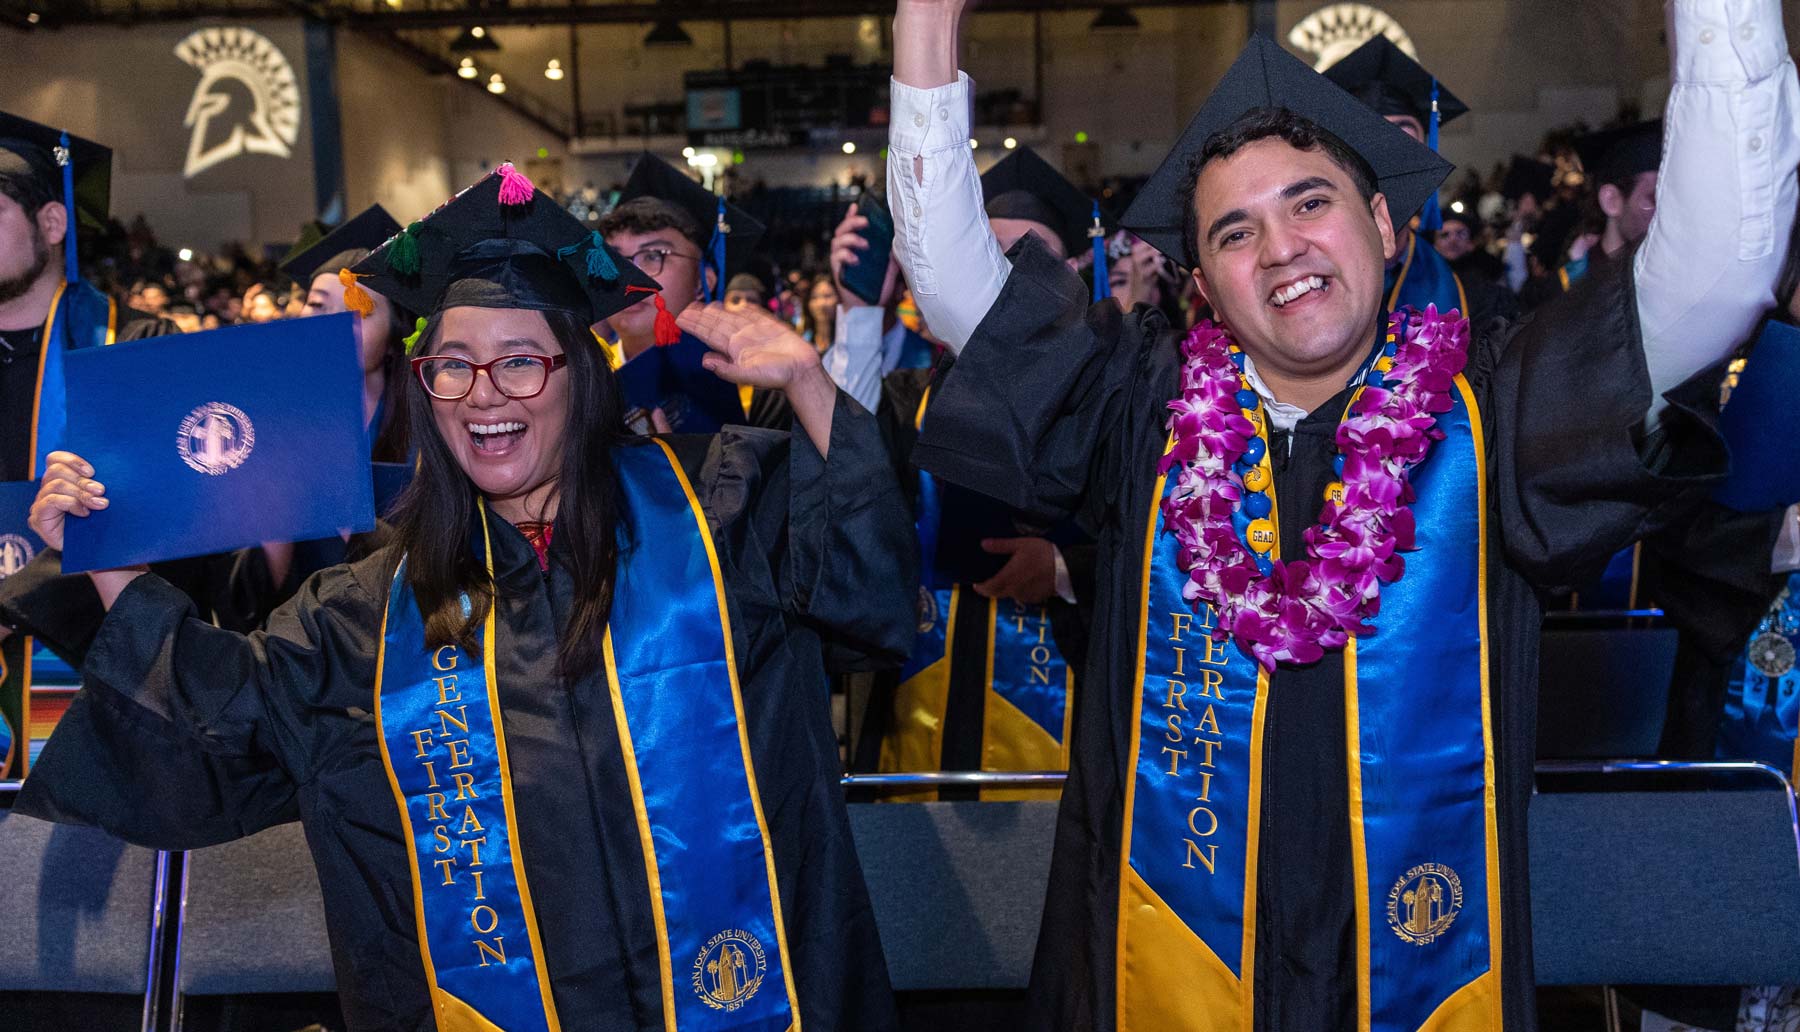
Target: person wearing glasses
x,y
560,750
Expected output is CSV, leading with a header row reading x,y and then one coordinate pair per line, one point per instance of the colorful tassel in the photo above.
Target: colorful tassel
x,y
411,340
356,299
666,331
599,261
514,187
403,252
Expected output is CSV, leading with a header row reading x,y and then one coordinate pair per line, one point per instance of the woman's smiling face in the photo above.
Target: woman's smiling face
x,y
509,447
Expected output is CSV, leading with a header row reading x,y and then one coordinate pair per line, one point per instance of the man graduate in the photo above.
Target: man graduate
x,y
1288,809
50,184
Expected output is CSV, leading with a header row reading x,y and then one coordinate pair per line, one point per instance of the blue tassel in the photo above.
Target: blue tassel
x,y
721,231
1097,237
1431,219
599,263
65,156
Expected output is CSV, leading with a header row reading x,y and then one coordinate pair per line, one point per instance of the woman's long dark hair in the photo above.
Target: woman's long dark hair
x,y
392,438
433,517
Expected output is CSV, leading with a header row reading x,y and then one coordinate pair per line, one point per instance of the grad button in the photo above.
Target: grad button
x,y
1256,478
1261,535
1254,450
1334,492
1257,505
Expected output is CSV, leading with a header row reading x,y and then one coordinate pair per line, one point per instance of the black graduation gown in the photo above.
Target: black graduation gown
x,y
902,391
1059,408
186,736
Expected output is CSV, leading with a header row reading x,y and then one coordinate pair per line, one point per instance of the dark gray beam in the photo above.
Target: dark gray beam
x,y
703,10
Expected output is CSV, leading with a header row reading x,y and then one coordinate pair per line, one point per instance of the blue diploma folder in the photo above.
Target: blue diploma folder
x,y
1758,425
671,378
209,442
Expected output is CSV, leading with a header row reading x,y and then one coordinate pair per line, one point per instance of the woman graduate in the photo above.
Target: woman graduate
x,y
562,752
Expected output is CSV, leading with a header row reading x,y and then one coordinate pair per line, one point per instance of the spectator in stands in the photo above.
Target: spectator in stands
x,y
744,293
819,320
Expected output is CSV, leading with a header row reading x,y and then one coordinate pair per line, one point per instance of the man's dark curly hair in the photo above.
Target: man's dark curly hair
x,y
1297,131
649,214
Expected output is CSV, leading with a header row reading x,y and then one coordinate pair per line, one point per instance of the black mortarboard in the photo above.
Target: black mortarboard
x,y
1528,176
333,250
28,149
1615,155
1266,76
1379,74
654,177
1024,186
480,252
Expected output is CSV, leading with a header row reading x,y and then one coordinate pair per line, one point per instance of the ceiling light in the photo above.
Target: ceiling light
x,y
668,33
496,84
467,68
1457,207
1114,18
395,4
475,38
687,152
849,147
553,70
186,254
1009,143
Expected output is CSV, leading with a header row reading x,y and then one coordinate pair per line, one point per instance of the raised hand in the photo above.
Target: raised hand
x,y
67,489
754,347
847,245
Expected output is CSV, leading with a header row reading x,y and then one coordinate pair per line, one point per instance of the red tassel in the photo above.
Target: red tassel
x,y
666,330
514,187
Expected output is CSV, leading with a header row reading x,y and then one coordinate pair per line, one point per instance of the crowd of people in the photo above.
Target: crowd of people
x,y
999,470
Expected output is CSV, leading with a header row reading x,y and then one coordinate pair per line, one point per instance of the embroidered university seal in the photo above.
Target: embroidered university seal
x,y
1424,902
15,552
729,969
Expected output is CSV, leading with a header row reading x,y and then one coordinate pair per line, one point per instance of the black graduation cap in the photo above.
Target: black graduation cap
x,y
29,149
478,251
654,177
1266,76
1024,186
1615,155
1528,176
1379,74
333,250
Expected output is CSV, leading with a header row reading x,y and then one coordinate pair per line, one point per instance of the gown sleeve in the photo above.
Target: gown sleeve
x,y
1043,408
185,734
824,542
1578,475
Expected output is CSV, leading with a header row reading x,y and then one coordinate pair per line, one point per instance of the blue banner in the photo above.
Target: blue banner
x,y
80,317
1425,278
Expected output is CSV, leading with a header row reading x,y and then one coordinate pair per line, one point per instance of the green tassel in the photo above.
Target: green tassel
x,y
412,341
599,261
403,253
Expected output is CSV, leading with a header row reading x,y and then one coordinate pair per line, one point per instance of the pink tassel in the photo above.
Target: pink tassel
x,y
514,187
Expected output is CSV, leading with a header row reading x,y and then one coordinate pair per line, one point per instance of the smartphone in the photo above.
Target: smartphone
x,y
866,278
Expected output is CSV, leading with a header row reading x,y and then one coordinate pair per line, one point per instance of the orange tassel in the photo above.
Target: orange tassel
x,y
666,330
356,299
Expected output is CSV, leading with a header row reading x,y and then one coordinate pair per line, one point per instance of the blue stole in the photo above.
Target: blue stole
x,y
1762,698
1422,790
1028,686
1425,278
710,875
80,317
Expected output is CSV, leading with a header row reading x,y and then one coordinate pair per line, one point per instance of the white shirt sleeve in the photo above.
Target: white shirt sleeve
x,y
1065,585
1787,546
854,359
1726,195
953,263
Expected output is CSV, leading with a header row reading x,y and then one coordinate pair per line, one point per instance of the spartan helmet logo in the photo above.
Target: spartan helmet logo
x,y
225,55
1331,33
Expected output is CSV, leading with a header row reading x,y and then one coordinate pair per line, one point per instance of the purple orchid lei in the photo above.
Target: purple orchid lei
x,y
1303,607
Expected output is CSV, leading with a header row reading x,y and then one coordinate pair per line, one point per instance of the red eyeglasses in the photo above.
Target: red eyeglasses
x,y
516,376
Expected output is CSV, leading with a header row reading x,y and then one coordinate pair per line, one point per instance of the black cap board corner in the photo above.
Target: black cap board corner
x,y
651,176
369,229
1613,155
1266,76
28,147
476,251
1381,75
1022,185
